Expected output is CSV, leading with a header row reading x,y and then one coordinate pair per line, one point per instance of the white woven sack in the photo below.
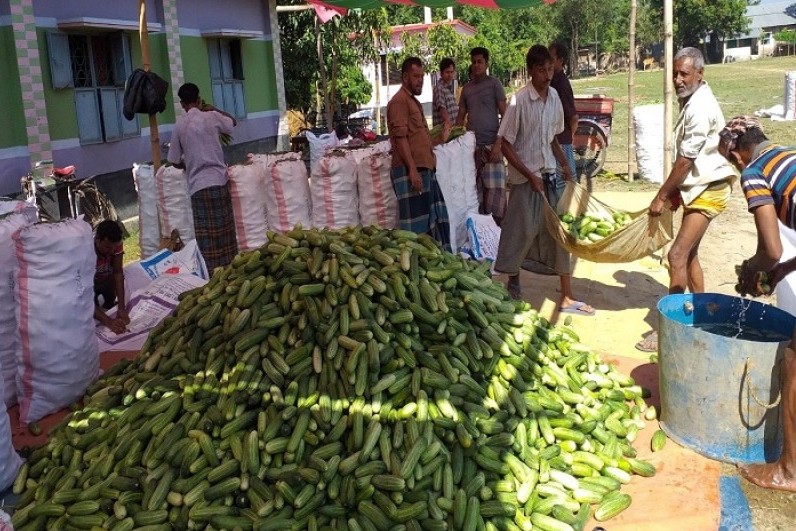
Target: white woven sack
x,y
7,206
333,187
9,459
790,95
287,193
319,144
648,120
246,188
149,232
57,356
456,178
378,204
9,225
174,203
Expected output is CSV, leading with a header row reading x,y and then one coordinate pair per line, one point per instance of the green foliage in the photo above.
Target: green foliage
x,y
432,47
788,36
352,86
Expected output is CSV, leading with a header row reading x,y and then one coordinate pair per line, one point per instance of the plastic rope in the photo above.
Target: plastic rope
x,y
762,404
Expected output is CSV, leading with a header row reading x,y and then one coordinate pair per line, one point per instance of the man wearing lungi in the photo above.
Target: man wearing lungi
x,y
196,148
481,104
533,119
421,206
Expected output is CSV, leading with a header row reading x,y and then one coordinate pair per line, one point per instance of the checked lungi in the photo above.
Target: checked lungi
x,y
421,212
490,182
214,225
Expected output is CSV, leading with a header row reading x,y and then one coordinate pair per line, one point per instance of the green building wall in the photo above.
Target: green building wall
x,y
12,133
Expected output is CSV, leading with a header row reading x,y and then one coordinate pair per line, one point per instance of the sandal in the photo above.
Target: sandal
x,y
649,343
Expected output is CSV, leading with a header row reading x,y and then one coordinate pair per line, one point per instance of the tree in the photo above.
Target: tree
x,y
705,25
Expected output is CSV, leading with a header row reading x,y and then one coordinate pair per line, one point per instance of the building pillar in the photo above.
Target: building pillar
x,y
171,25
26,42
283,132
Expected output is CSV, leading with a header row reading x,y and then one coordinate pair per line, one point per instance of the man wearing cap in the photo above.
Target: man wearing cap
x,y
768,179
700,178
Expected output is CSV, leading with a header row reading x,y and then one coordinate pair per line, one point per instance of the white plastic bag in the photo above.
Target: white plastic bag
x,y
9,345
334,191
287,193
648,120
319,144
174,203
484,236
9,459
149,231
58,356
786,289
456,178
248,205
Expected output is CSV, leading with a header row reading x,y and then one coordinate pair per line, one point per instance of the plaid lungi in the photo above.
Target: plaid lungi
x,y
423,212
490,182
214,225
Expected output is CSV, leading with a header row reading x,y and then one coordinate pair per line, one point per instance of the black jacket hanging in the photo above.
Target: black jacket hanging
x,y
144,93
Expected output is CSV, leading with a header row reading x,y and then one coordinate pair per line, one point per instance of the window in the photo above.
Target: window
x,y
394,71
96,66
226,75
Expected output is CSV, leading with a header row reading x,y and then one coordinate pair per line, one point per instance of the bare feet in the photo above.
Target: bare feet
x,y
770,476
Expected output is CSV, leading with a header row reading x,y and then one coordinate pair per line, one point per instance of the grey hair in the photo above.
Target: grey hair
x,y
696,57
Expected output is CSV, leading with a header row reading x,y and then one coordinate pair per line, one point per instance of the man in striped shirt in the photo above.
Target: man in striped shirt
x,y
768,179
528,133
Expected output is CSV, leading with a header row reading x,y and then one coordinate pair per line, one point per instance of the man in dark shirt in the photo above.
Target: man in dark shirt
x,y
560,82
421,206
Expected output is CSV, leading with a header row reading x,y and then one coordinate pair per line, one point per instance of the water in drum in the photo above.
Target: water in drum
x,y
747,334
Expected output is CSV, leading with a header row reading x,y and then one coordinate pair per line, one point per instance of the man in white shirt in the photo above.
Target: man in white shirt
x,y
196,148
700,178
533,119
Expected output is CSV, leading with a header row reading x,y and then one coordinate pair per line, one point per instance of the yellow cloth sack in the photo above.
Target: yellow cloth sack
x,y
641,237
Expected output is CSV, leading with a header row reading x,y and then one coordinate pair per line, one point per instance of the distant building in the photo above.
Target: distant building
x,y
765,20
386,78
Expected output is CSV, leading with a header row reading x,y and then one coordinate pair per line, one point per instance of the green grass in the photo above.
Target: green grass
x,y
741,88
132,247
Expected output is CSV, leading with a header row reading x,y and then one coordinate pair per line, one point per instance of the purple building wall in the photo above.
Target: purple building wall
x,y
230,14
115,9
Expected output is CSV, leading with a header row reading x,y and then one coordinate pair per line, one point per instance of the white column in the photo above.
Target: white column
x,y
283,132
427,15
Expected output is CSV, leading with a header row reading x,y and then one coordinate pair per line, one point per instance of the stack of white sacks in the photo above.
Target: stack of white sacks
x,y
49,353
346,186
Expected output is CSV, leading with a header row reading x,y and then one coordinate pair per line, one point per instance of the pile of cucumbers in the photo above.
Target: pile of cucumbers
x,y
594,226
355,380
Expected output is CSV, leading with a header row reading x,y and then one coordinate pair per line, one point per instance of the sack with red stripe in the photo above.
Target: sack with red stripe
x,y
287,192
334,191
378,204
174,203
148,229
246,187
9,459
57,356
9,224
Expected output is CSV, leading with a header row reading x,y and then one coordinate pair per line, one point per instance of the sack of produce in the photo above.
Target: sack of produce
x,y
246,188
174,203
9,459
648,120
592,230
287,192
57,356
378,204
456,178
7,206
9,225
333,186
347,376
148,224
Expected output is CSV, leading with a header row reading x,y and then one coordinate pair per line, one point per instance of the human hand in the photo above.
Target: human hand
x,y
496,154
536,183
414,178
656,207
123,316
568,174
116,326
779,272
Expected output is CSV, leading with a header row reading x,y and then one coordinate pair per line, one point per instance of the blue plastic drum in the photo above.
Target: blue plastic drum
x,y
719,375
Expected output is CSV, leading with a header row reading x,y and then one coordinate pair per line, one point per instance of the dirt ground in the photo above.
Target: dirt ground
x,y
625,296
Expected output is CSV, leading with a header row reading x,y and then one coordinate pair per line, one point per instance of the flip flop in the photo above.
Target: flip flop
x,y
577,308
649,343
